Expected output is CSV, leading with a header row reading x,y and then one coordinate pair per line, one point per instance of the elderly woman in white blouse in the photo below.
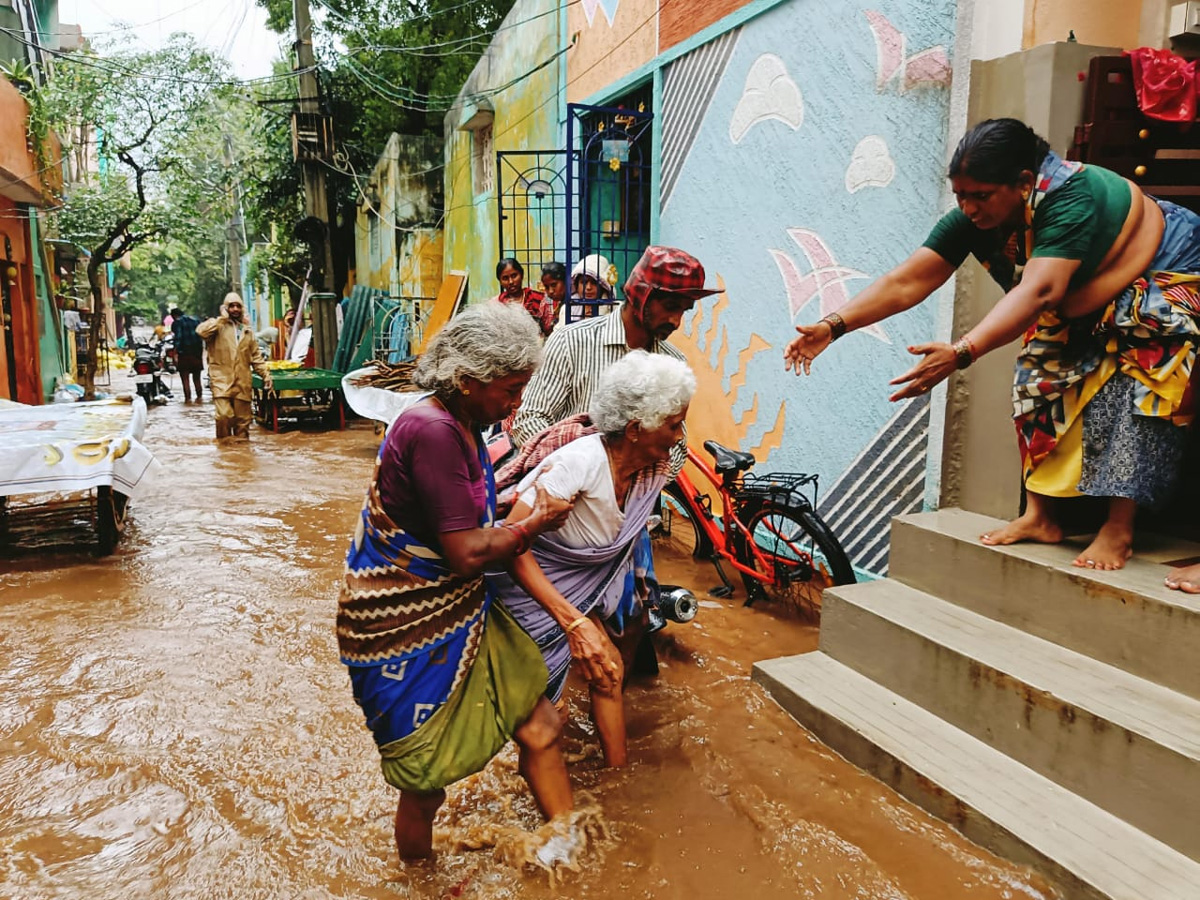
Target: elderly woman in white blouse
x,y
599,560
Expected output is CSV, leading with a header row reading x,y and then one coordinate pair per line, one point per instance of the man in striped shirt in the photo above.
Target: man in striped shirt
x,y
663,286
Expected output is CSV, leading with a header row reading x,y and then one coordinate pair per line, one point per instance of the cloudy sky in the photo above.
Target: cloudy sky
x,y
237,29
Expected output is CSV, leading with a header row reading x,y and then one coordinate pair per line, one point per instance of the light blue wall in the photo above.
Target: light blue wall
x,y
732,203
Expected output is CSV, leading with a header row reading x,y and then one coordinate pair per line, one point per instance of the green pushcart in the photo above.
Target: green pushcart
x,y
300,396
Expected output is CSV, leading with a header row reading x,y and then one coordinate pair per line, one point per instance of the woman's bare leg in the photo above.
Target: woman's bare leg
x,y
608,712
414,823
1113,545
1186,579
541,759
1037,525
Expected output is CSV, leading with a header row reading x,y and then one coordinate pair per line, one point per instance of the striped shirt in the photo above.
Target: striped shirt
x,y
575,357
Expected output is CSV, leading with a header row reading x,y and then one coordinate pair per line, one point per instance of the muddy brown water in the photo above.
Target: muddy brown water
x,y
174,722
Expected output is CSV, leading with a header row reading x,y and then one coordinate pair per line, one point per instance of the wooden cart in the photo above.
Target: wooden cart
x,y
300,396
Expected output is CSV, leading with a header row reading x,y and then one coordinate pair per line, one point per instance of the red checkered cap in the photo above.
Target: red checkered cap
x,y
669,270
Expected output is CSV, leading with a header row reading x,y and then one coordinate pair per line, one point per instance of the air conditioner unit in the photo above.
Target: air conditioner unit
x,y
1185,20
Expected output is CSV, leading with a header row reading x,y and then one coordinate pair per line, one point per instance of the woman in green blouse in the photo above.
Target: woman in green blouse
x,y
1103,282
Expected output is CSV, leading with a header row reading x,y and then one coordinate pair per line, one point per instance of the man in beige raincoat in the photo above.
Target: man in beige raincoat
x,y
232,352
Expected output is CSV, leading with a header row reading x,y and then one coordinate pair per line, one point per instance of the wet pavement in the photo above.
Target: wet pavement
x,y
174,722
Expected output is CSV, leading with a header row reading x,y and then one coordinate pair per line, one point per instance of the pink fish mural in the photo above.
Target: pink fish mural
x,y
930,66
825,281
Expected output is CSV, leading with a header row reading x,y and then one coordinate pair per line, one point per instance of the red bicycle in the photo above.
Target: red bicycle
x,y
768,529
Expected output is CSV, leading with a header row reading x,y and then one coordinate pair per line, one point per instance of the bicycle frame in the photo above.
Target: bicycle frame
x,y
722,538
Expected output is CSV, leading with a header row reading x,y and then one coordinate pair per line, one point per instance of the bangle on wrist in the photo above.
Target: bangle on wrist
x,y
575,624
837,325
964,351
521,533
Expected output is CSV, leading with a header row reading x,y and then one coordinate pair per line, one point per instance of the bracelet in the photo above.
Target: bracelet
x,y
524,542
837,325
575,624
964,351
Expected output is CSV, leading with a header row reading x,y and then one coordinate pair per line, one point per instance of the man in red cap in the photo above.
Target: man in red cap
x,y
663,286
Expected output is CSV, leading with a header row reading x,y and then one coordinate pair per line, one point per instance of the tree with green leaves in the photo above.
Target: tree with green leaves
x,y
389,66
173,272
152,120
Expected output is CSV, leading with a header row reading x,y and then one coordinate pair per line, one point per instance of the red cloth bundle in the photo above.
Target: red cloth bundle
x,y
1165,84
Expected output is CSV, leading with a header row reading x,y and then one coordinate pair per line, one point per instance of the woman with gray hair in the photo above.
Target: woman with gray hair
x,y
444,676
613,471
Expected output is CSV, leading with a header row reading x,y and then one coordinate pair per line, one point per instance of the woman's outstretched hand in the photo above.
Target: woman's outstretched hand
x,y
594,653
808,346
940,360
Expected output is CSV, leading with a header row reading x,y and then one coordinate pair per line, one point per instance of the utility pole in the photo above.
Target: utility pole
x,y
233,232
316,199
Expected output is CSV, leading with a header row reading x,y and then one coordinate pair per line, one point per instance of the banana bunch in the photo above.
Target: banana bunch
x,y
114,359
280,365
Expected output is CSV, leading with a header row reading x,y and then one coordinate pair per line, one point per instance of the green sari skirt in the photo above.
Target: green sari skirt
x,y
504,684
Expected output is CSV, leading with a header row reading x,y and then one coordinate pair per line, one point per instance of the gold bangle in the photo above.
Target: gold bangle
x,y
575,624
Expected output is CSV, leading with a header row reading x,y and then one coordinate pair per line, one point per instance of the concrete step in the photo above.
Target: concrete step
x,y
995,801
1127,618
1124,743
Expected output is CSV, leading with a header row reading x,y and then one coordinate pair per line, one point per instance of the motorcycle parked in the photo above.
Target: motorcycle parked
x,y
147,374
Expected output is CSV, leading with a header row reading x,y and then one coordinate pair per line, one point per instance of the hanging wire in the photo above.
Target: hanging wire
x,y
114,68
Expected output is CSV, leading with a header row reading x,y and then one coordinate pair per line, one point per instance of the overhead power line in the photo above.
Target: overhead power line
x,y
126,26
115,68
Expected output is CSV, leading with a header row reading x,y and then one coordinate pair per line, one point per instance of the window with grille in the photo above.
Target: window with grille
x,y
483,160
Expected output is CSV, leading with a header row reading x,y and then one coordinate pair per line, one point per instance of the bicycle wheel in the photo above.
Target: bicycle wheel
x,y
679,534
800,555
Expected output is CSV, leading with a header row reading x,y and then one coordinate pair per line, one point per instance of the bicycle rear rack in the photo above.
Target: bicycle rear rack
x,y
783,488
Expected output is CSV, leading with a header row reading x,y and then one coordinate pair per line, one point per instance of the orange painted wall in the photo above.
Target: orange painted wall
x,y
1102,23
18,179
680,19
606,52
14,236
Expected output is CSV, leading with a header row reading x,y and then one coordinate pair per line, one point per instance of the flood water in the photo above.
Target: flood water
x,y
174,722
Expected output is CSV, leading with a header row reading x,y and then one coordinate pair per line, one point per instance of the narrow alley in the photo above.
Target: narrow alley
x,y
174,722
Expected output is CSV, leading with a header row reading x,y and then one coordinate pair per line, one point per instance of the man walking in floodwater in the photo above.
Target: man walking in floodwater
x,y
232,352
189,352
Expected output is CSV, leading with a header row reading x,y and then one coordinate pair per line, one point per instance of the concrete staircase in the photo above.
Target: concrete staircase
x,y
1050,713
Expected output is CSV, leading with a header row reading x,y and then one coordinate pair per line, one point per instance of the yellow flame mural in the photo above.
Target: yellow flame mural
x,y
711,416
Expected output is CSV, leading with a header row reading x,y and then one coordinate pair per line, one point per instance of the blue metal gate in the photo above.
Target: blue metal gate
x,y
609,165
532,201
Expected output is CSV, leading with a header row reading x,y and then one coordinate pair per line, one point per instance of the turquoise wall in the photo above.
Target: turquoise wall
x,y
50,336
802,156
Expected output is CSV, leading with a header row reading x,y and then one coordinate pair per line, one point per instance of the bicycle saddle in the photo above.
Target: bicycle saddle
x,y
726,460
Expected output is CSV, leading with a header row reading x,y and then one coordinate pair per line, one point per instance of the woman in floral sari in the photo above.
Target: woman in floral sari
x,y
443,674
1104,283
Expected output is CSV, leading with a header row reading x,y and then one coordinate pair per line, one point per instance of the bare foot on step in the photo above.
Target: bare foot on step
x,y
1186,579
1109,550
1038,529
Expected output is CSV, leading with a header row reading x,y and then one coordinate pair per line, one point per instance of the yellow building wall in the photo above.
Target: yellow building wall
x,y
399,194
527,116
